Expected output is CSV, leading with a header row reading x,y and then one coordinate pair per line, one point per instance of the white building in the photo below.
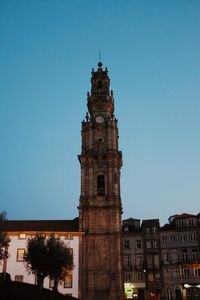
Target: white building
x,y
20,231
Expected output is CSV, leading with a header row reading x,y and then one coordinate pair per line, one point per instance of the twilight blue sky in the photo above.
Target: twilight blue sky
x,y
47,51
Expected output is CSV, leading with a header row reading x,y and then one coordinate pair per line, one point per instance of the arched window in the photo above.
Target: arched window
x,y
100,185
100,85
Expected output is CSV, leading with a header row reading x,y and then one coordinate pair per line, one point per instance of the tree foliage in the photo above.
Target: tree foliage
x,y
4,240
36,258
60,259
48,257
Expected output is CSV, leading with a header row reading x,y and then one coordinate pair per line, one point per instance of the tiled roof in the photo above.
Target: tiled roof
x,y
150,222
42,225
182,216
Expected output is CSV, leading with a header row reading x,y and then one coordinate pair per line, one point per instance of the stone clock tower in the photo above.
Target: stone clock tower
x,y
100,206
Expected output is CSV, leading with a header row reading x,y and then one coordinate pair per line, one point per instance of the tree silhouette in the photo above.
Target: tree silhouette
x,y
60,260
48,257
4,240
36,258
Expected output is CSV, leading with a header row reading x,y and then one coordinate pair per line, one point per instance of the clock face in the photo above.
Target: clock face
x,y
99,119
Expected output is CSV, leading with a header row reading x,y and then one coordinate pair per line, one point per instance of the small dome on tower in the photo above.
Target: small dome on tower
x,y
100,64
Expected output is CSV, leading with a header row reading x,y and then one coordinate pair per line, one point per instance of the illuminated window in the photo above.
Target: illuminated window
x,y
20,254
100,185
68,281
19,278
22,236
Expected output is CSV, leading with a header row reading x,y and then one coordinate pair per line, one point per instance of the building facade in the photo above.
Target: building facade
x,y
20,231
100,206
180,256
162,262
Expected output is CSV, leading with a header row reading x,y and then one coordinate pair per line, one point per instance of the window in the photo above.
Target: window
x,y
138,244
183,238
164,239
194,255
175,273
155,244
179,223
22,236
100,185
149,261
151,277
173,238
174,256
127,277
165,257
154,229
126,229
68,281
19,278
184,255
192,237
20,254
196,272
166,273
186,272
139,261
148,230
100,84
148,244
169,295
127,244
157,276
191,222
139,276
156,261
127,260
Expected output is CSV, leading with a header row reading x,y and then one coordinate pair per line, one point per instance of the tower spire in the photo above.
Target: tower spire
x,y
99,56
